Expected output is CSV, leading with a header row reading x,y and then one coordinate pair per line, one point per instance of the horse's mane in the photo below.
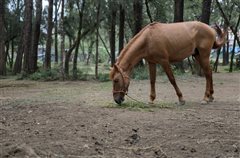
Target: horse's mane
x,y
127,47
130,43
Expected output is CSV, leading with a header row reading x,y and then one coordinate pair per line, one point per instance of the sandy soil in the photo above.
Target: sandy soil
x,y
80,120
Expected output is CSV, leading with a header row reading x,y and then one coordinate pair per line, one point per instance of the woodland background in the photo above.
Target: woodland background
x,y
69,39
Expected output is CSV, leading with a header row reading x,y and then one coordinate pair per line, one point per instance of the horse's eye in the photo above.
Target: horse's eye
x,y
116,81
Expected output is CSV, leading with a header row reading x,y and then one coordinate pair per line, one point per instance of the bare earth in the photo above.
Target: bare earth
x,y
80,120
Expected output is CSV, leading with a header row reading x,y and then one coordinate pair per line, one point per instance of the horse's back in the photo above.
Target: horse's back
x,y
177,41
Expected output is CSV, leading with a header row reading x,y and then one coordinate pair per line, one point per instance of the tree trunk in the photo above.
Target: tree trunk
x,y
36,35
112,33
12,55
206,11
148,11
80,11
17,68
56,31
18,62
225,56
215,67
62,42
121,27
178,10
2,40
137,9
27,35
138,18
234,44
97,32
178,17
47,64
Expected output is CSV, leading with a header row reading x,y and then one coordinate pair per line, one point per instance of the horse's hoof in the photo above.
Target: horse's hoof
x,y
182,102
150,102
211,99
204,102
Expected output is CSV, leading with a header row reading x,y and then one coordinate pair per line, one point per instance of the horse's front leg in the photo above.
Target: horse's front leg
x,y
167,68
152,72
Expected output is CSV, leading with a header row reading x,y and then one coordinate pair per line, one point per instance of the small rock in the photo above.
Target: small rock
x,y
193,150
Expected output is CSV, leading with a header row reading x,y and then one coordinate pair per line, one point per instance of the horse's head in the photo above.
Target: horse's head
x,y
120,83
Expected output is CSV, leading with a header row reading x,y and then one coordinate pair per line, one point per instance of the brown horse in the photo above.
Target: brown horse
x,y
163,44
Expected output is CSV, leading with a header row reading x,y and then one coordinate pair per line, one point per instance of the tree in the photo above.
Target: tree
x,y
36,35
234,44
112,31
178,10
148,11
27,36
138,19
137,13
121,26
56,30
47,64
206,11
2,40
178,17
81,7
97,34
62,41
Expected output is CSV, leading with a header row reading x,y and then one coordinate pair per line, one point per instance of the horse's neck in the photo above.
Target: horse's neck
x,y
129,60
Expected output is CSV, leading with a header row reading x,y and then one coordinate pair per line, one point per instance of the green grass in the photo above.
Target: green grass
x,y
139,106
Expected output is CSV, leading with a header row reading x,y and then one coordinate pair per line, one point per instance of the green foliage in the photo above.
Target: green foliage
x,y
140,73
103,77
45,75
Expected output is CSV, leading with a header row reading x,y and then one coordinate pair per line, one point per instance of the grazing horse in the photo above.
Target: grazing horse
x,y
163,44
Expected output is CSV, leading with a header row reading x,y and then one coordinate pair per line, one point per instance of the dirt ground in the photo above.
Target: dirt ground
x,y
79,120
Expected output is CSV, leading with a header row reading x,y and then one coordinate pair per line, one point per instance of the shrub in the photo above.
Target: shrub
x,y
103,77
46,75
140,73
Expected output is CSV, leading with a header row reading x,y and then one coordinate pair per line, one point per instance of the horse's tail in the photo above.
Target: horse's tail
x,y
220,40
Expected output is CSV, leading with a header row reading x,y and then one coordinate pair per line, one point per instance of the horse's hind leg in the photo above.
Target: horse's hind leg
x,y
152,72
205,65
168,70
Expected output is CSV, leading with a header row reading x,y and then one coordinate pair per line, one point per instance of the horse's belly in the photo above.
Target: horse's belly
x,y
180,54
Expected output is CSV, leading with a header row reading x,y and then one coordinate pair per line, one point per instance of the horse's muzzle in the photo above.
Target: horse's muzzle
x,y
119,100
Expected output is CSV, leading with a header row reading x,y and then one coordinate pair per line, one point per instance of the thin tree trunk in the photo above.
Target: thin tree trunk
x,y
215,67
206,11
80,10
17,68
148,11
234,43
12,55
112,34
2,40
178,17
47,64
36,36
27,35
97,32
232,55
121,27
104,45
56,31
62,42
138,18
18,62
178,10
